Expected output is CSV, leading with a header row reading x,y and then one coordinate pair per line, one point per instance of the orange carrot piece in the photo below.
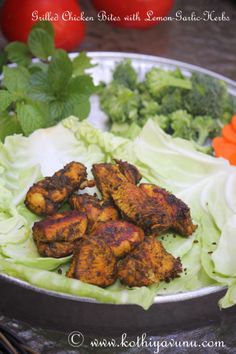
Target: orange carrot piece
x,y
223,148
232,159
233,122
229,134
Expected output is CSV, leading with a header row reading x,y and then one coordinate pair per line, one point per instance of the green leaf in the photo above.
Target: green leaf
x,y
8,125
5,100
30,117
82,85
39,87
18,53
16,80
81,63
3,59
59,71
82,107
45,25
41,43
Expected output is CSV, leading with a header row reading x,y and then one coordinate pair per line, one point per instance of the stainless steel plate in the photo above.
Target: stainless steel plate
x,y
65,312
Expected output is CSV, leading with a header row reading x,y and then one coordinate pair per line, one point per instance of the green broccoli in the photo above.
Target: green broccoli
x,y
159,81
119,103
173,101
124,74
208,97
181,124
204,127
148,108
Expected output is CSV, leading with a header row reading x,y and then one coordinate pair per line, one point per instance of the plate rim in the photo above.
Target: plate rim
x,y
170,298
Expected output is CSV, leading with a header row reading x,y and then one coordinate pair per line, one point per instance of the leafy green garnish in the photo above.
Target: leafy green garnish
x,y
39,94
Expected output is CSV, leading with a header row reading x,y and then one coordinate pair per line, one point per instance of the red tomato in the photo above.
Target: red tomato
x,y
17,18
133,13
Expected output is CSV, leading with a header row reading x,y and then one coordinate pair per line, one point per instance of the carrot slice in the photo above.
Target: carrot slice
x,y
229,134
233,122
223,148
232,159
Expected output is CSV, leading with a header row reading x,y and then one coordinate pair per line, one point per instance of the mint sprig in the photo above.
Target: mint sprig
x,y
38,94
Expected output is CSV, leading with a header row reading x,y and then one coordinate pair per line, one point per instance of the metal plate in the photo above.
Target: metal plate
x,y
65,312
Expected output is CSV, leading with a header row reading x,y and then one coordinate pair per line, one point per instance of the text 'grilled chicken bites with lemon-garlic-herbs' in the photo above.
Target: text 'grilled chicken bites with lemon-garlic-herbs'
x,y
113,237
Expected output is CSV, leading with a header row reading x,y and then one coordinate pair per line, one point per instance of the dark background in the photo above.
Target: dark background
x,y
208,44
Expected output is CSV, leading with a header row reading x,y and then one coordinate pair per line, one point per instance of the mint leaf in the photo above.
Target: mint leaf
x,y
3,59
81,107
39,87
8,125
45,25
18,53
5,100
41,43
30,117
59,71
16,80
82,85
81,63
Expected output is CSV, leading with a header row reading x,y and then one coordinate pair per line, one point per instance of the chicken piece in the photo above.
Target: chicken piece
x,y
46,196
137,207
121,236
108,175
177,210
129,171
55,249
148,264
95,209
93,262
134,204
65,227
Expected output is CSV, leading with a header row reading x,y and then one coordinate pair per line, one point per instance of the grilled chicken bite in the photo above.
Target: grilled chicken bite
x,y
95,209
136,206
121,236
149,263
177,210
109,175
55,249
46,196
66,227
93,262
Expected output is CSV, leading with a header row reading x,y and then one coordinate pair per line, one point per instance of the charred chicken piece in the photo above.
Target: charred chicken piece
x,y
149,263
55,249
93,262
129,171
109,175
177,210
121,236
46,196
136,206
61,227
95,209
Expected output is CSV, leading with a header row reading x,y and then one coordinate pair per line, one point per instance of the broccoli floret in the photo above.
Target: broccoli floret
x,y
204,127
158,82
181,124
124,74
162,121
208,97
148,108
119,103
172,102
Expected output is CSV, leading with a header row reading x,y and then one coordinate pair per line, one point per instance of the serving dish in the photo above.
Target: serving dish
x,y
66,312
